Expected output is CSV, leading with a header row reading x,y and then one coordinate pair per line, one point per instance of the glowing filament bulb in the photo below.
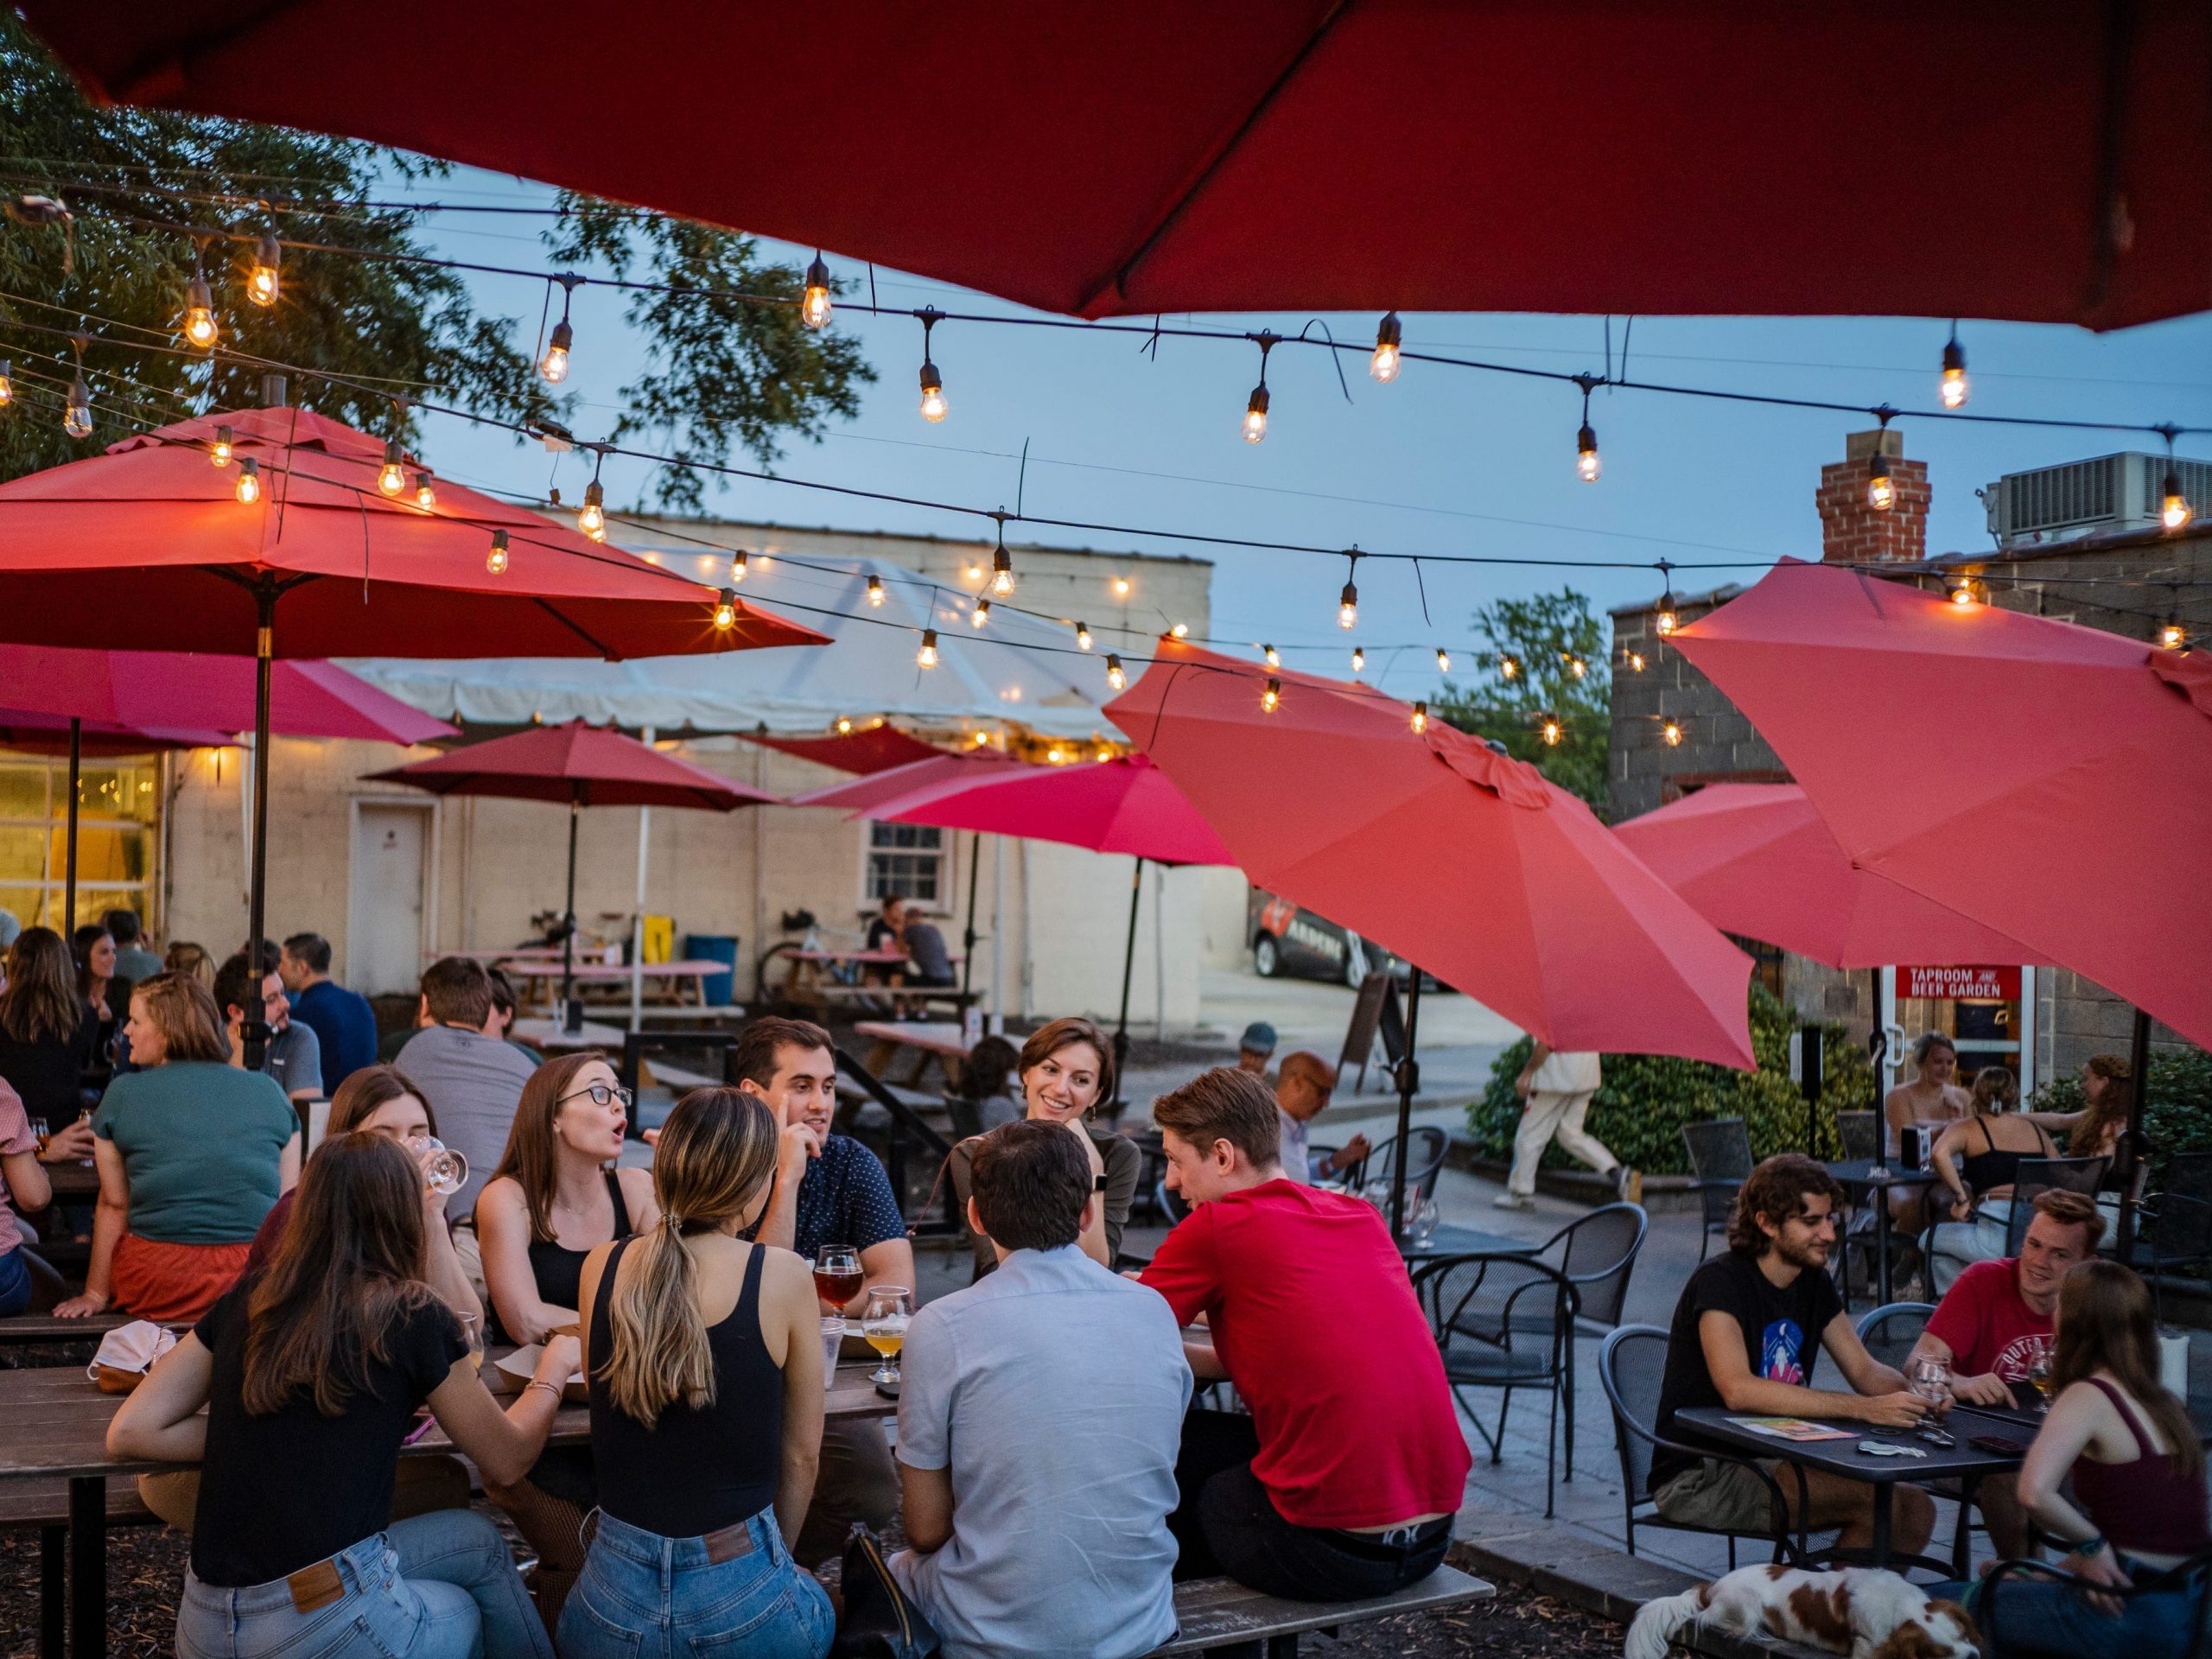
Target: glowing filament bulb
x,y
1576,666
1121,587
262,284
1002,572
1443,660
1551,730
77,413
496,560
1421,716
2171,634
592,520
1115,676
1962,596
1055,755
1383,366
814,304
1635,661
1180,631
1273,657
1508,667
391,477
220,452
199,326
2175,511
1083,636
554,366
1666,621
982,613
725,609
934,408
926,657
1671,734
1953,387
1881,490
1256,415
1586,464
738,567
875,593
844,725
1348,608
1271,699
1358,659
249,485
426,491
7,383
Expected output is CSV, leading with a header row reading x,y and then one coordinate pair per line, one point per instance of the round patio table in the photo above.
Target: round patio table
x,y
1858,1175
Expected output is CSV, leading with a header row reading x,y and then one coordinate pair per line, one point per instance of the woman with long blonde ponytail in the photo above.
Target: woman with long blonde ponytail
x,y
705,1362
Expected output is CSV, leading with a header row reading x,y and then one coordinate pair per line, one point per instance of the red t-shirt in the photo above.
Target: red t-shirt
x,y
1313,1315
1986,1326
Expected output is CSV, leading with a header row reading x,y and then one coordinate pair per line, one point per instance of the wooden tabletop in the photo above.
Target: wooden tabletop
x,y
539,967
57,1422
878,954
77,1179
548,1033
937,1036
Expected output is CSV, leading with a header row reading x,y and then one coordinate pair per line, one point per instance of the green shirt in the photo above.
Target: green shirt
x,y
201,1143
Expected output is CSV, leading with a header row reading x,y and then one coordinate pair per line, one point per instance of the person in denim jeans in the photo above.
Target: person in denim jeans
x,y
292,1547
705,1354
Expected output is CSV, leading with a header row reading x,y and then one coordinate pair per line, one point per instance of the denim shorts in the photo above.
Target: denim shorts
x,y
642,1596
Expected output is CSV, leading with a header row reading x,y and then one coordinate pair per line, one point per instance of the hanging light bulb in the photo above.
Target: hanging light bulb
x,y
982,613
1083,636
1273,657
262,284
926,657
1358,659
1180,631
980,738
1115,676
738,567
875,593
2171,635
1056,755
592,517
1443,660
1586,464
815,303
391,477
844,725
554,366
1421,716
1348,608
1271,699
1670,734
496,560
1383,366
1635,661
1881,489
1954,388
426,491
1508,668
2175,511
7,383
1575,665
725,609
200,324
1962,595
220,451
77,413
1666,621
249,484
1550,730
1121,587
1256,415
934,407
1002,568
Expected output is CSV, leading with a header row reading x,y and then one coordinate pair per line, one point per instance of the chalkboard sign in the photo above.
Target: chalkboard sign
x,y
1375,1012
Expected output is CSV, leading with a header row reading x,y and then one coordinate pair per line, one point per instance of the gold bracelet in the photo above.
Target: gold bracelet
x,y
540,1382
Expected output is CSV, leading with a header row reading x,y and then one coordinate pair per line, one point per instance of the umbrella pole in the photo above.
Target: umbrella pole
x,y
968,938
1408,1085
69,862
255,1030
2138,1085
571,1016
1128,967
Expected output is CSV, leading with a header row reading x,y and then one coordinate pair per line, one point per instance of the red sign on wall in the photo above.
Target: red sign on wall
x,y
1995,984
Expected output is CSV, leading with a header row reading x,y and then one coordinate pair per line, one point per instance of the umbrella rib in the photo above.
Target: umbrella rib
x,y
548,607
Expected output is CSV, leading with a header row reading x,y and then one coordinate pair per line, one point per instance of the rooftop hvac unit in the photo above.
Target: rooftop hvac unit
x,y
2111,492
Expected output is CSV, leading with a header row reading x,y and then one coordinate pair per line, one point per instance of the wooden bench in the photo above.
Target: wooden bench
x,y
1214,1612
44,1504
44,1327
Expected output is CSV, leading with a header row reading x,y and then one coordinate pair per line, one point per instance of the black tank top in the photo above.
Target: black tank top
x,y
558,1270
699,1469
1992,1166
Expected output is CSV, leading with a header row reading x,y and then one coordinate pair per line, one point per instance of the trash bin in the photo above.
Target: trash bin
x,y
714,947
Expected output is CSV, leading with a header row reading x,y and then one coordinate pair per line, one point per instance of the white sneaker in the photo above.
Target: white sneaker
x,y
1513,1201
1628,1185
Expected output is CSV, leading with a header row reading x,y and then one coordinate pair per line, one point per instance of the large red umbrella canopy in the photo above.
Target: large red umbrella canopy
x,y
580,765
147,547
34,732
2042,162
155,689
869,750
2079,821
1453,857
1126,806
863,794
1755,859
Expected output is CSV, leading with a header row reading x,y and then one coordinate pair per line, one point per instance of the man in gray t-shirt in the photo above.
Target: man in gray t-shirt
x,y
471,1078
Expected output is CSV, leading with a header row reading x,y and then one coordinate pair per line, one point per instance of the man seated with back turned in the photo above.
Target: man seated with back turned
x,y
293,1057
829,1190
1747,1333
1995,1324
1038,1426
470,1078
1342,1482
1302,1091
342,1021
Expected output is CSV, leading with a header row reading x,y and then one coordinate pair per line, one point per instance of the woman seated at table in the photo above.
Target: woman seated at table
x,y
1976,1162
1067,1069
106,997
555,1197
47,1036
311,1373
183,956
24,1182
2095,1131
192,1154
705,1359
2138,1508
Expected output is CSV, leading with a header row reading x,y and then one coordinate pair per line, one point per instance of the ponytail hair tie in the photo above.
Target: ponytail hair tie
x,y
670,1220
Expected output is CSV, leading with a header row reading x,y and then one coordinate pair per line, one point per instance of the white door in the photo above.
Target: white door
x,y
390,877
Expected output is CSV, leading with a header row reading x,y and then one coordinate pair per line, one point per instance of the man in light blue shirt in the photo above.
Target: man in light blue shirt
x,y
1041,1415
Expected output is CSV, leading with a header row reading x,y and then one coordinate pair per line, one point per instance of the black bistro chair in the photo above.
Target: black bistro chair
x,y
1860,1133
1506,1323
2040,1175
1720,1162
2175,1225
1427,1146
1631,1366
1598,1252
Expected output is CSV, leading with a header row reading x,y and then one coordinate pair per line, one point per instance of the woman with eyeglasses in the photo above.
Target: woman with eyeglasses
x,y
555,1197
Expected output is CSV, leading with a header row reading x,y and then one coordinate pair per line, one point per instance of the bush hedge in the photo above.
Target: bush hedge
x,y
1647,1098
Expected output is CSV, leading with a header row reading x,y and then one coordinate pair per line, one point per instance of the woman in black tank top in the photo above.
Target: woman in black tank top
x,y
555,1197
705,1358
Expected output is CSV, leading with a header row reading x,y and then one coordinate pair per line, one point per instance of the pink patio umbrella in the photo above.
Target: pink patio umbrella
x,y
868,750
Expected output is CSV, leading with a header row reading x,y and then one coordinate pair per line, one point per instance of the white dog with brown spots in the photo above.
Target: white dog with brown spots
x,y
1857,1611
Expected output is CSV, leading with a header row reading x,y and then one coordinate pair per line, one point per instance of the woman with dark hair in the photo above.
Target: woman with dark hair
x,y
47,1033
2095,1131
556,1196
192,1155
985,1075
2138,1508
107,997
705,1358
1067,1069
311,1373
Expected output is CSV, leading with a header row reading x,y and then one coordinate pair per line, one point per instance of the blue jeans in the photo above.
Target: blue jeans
x,y
646,1596
433,1586
14,1283
2029,1617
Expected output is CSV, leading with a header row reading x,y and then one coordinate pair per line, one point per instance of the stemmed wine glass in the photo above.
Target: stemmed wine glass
x,y
884,1326
837,1274
444,1171
1930,1378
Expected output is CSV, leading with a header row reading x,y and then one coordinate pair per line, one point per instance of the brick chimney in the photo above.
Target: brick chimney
x,y
1852,532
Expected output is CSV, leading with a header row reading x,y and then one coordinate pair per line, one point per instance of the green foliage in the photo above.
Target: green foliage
x,y
721,368
1541,634
1647,1098
2176,1105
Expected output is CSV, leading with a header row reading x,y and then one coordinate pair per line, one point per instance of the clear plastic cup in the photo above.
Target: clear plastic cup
x,y
833,1339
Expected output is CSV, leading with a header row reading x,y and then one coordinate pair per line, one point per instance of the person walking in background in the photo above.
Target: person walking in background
x,y
342,1021
1555,1091
1302,1094
133,961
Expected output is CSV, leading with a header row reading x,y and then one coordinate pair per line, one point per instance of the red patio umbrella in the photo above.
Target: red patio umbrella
x,y
30,732
1756,859
2039,162
150,545
1464,863
583,766
871,749
861,795
1126,806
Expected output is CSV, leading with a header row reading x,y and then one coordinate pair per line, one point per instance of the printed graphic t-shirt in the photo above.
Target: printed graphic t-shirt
x,y
1986,1326
1781,1327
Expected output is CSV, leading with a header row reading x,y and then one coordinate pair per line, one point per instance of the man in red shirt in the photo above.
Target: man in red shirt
x,y
1995,1324
1342,1482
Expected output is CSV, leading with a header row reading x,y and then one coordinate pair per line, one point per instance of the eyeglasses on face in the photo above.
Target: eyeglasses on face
x,y
600,1095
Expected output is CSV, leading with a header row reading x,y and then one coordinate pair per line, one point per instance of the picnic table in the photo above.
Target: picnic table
x,y
58,1423
1860,1175
548,1035
942,1041
682,982
77,1179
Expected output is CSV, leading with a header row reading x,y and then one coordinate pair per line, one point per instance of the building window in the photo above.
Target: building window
x,y
118,838
906,859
